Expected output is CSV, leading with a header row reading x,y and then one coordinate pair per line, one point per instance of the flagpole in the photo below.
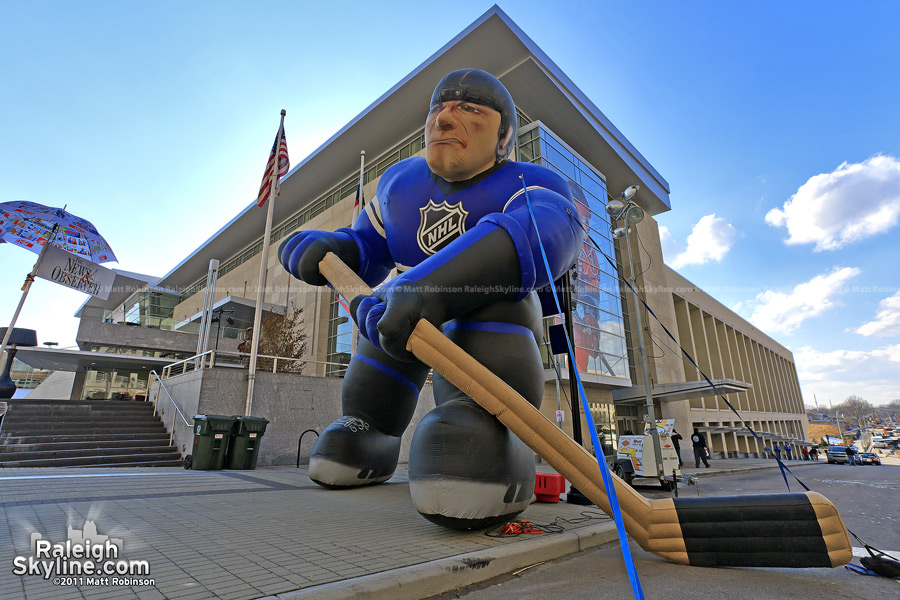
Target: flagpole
x,y
360,198
357,209
26,287
263,263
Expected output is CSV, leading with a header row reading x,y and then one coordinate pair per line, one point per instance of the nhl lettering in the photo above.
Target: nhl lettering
x,y
439,225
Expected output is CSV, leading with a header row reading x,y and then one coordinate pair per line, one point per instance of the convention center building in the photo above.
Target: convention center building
x,y
558,127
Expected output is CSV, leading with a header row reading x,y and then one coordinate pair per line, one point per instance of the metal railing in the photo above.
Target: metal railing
x,y
162,386
300,441
265,362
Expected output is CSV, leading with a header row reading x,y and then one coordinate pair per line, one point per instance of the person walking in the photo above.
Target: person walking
x,y
851,455
676,441
778,450
700,448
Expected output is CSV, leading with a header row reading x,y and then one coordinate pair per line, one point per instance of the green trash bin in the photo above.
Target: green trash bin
x,y
211,435
244,448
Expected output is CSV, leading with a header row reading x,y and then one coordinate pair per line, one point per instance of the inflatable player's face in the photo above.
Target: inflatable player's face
x,y
461,139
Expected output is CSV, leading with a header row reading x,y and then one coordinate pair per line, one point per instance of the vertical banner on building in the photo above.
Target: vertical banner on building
x,y
75,272
587,329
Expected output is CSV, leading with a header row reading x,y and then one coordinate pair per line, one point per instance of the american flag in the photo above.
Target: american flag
x,y
284,164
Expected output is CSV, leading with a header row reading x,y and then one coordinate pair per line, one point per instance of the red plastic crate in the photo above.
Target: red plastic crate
x,y
548,487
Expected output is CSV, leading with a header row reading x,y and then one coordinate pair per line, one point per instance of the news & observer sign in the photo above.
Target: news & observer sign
x,y
75,272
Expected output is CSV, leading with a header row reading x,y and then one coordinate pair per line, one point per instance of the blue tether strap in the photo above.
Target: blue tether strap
x,y
604,469
784,468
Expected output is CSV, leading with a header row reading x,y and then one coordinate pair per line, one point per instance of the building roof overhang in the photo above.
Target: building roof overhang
x,y
493,43
682,390
79,360
241,310
124,285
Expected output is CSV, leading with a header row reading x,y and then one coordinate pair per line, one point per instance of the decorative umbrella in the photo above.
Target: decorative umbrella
x,y
31,225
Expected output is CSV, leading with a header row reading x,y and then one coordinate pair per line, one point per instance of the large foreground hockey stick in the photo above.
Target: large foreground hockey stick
x,y
774,530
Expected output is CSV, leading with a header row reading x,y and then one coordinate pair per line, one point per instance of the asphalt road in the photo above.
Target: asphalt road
x,y
866,496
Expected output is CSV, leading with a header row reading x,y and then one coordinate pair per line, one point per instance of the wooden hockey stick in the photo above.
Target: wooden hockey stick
x,y
774,530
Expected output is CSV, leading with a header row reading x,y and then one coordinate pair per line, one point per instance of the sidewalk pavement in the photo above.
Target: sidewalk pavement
x,y
272,533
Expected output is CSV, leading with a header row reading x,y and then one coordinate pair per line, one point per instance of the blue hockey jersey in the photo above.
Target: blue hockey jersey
x,y
416,215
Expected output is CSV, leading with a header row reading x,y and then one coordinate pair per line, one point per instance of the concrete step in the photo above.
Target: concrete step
x,y
43,404
83,453
67,433
86,429
152,463
112,422
77,418
68,402
158,459
13,439
79,414
96,443
73,409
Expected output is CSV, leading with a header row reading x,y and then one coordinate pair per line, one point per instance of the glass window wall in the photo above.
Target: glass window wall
x,y
112,384
599,327
149,309
340,338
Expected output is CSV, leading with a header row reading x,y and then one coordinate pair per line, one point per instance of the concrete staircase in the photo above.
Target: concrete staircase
x,y
81,433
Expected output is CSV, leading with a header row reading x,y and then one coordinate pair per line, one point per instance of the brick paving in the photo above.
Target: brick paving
x,y
233,535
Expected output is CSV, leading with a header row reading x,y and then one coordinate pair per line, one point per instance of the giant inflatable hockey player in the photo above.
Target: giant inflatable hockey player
x,y
458,225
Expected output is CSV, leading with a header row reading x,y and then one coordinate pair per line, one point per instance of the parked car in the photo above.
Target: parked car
x,y
868,458
837,454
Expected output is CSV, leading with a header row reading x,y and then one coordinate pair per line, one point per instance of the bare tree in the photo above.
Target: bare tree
x,y
282,336
855,407
886,410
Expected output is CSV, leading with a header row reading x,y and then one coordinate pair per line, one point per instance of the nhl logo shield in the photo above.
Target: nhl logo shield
x,y
440,224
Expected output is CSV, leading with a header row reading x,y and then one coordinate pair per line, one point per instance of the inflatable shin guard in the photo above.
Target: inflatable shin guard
x,y
466,470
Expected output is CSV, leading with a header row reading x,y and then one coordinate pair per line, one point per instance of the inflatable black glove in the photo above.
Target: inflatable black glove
x,y
469,273
301,253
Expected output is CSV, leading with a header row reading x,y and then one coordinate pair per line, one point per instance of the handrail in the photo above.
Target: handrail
x,y
199,361
300,441
208,359
174,403
5,407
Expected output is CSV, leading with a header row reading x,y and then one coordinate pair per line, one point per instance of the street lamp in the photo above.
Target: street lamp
x,y
632,214
218,320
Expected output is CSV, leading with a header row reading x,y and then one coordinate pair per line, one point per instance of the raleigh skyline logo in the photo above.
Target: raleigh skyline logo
x,y
86,558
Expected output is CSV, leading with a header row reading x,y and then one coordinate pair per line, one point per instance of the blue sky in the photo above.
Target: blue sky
x,y
775,124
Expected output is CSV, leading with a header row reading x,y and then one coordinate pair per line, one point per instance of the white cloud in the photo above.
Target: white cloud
x,y
710,240
785,311
852,203
670,248
835,375
887,321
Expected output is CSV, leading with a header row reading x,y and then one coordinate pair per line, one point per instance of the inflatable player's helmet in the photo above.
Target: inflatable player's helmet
x,y
480,87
